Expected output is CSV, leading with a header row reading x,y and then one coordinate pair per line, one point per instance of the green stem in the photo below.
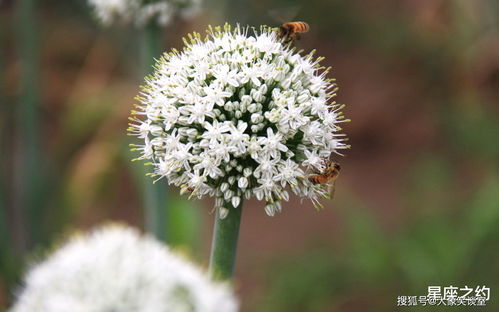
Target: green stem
x,y
155,199
155,195
151,46
27,172
4,117
224,243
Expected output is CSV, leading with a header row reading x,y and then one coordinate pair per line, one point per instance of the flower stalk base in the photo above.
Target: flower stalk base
x,y
224,243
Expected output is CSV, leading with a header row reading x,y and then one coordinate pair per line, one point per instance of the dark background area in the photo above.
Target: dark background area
x,y
417,202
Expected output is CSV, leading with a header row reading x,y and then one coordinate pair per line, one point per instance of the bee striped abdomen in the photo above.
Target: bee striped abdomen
x,y
301,27
290,30
318,179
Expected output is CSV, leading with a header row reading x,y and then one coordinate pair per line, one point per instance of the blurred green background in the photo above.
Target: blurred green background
x,y
417,203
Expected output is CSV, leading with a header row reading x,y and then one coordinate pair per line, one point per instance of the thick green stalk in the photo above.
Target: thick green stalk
x,y
3,155
224,243
4,234
155,195
151,46
28,209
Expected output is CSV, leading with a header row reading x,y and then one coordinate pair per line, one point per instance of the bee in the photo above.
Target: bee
x,y
327,176
292,30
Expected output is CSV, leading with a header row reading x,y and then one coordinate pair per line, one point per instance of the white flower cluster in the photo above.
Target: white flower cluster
x,y
239,115
140,12
117,269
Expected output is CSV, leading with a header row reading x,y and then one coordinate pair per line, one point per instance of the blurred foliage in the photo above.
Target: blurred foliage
x,y
376,266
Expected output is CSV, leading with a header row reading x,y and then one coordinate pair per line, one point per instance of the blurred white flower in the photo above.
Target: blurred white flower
x,y
252,117
140,12
115,268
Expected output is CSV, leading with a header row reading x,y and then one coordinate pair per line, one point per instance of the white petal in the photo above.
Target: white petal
x,y
222,212
236,200
269,209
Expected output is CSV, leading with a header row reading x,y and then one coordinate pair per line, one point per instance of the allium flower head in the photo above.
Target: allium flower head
x,y
117,269
140,12
236,115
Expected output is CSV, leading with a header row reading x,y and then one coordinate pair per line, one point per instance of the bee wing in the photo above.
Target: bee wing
x,y
284,14
331,189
